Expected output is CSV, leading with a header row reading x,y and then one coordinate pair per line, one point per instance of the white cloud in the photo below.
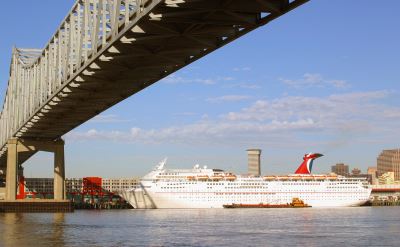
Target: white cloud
x,y
205,81
274,121
201,132
338,111
243,85
242,69
177,79
111,118
228,98
360,96
174,79
392,113
225,78
185,114
315,80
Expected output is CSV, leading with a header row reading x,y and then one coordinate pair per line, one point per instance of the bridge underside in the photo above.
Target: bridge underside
x,y
169,36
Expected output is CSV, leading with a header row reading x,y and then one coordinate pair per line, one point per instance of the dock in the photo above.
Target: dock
x,y
36,206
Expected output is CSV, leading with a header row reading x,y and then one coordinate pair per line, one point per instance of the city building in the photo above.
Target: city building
x,y
373,172
386,178
115,185
389,161
72,185
355,171
43,187
39,185
254,162
368,177
340,169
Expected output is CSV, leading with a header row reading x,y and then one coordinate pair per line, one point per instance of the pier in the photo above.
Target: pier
x,y
36,206
384,203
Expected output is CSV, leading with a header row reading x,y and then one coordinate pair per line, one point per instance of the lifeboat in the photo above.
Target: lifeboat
x,y
190,177
268,177
230,177
202,177
217,177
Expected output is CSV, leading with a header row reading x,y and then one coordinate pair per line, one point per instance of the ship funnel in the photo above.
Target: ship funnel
x,y
162,163
306,166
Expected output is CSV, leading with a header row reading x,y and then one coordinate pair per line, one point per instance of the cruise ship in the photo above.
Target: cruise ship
x,y
201,187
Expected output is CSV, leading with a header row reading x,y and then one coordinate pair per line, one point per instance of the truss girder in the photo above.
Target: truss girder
x,y
106,50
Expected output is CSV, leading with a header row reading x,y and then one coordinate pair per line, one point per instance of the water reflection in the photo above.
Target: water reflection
x,y
205,227
9,228
58,229
18,229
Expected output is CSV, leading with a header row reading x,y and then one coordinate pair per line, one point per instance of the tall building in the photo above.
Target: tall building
x,y
341,169
389,161
254,162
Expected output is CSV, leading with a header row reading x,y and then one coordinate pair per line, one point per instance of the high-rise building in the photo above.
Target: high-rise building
x,y
389,161
254,162
341,169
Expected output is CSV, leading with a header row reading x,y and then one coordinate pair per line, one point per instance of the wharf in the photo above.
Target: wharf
x,y
36,206
102,206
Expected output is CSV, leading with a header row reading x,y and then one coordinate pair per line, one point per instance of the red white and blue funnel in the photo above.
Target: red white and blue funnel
x,y
306,166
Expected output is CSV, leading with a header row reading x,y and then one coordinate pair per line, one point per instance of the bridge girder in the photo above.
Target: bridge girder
x,y
107,50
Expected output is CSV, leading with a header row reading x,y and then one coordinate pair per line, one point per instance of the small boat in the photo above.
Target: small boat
x,y
296,203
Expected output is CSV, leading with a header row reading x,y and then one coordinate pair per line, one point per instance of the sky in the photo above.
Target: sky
x,y
322,78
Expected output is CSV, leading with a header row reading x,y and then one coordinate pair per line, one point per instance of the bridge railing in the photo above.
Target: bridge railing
x,y
37,75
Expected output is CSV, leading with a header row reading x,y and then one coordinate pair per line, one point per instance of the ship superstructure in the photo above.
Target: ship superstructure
x,y
201,187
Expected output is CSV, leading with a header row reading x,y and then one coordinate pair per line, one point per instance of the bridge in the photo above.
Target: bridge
x,y
103,52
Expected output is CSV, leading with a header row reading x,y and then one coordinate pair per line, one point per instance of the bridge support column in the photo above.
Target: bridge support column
x,y
16,147
59,171
12,169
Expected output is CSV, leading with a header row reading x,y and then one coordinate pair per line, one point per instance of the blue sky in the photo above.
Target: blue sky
x,y
323,78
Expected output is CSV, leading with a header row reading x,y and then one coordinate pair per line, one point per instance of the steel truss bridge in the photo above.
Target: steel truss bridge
x,y
107,50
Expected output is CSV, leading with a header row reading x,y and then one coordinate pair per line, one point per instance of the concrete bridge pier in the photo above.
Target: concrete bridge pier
x,y
59,171
22,147
12,169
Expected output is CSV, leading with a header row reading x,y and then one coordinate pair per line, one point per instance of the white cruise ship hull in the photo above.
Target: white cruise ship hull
x,y
213,188
215,195
167,200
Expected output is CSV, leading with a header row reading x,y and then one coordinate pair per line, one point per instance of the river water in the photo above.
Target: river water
x,y
364,226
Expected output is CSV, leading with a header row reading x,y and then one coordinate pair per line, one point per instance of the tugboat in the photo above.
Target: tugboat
x,y
296,203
